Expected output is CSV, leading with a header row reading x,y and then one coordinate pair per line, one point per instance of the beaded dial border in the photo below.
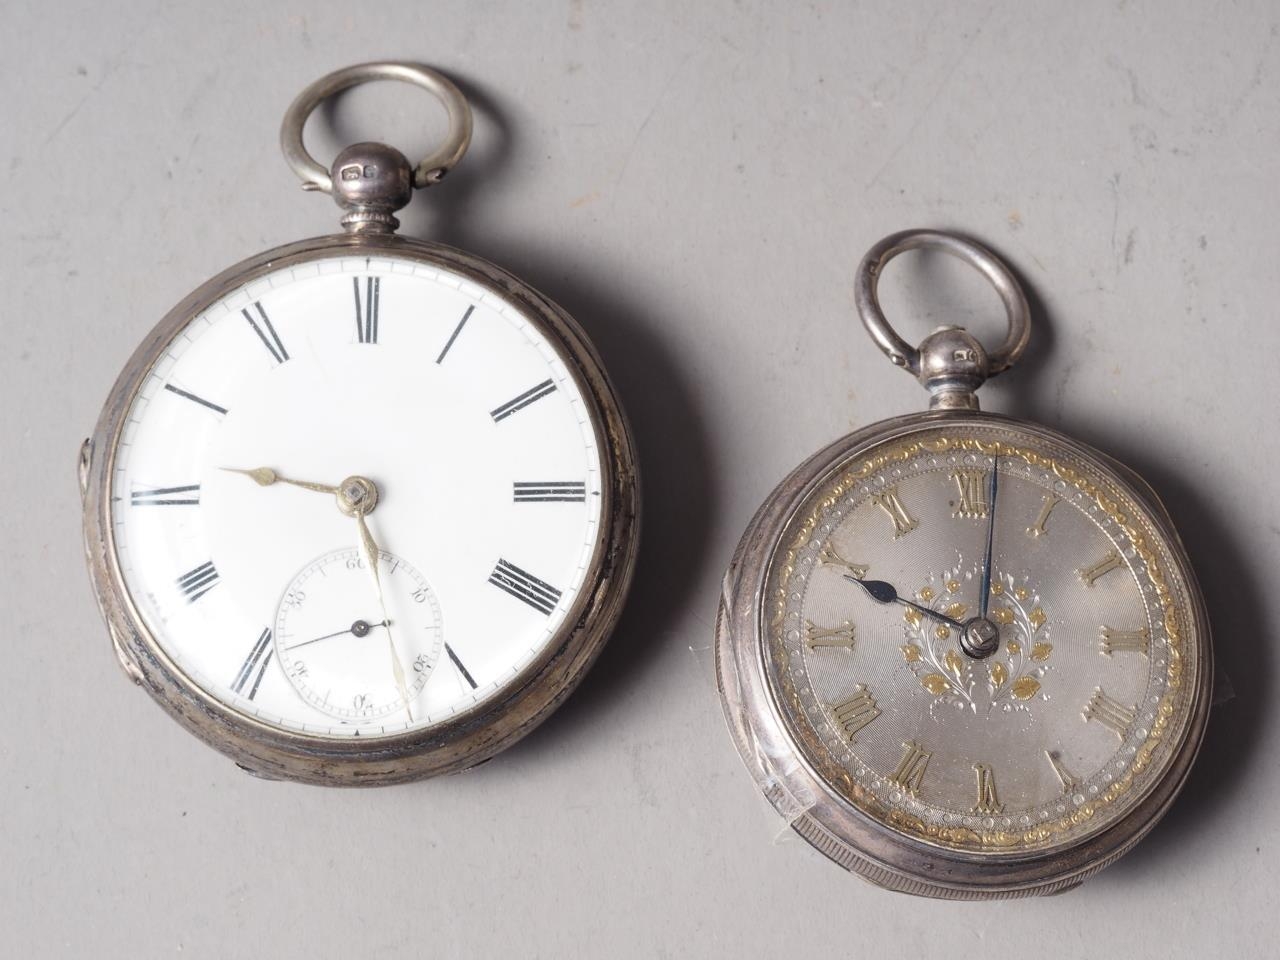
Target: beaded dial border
x,y
837,777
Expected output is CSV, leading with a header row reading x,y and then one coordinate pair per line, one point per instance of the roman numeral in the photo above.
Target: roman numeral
x,y
194,399
184,496
466,674
856,712
266,332
1068,782
1046,507
888,501
454,336
988,802
1104,566
910,771
1109,712
552,491
254,666
816,636
829,557
972,486
367,319
519,403
524,586
1124,641
194,584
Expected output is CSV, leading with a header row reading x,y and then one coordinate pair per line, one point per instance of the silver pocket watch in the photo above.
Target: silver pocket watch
x,y
362,508
963,654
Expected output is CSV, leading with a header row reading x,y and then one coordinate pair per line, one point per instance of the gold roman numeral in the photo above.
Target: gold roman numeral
x,y
1068,782
972,486
1046,507
816,636
1124,641
1110,713
1104,566
856,712
988,801
911,768
888,501
828,557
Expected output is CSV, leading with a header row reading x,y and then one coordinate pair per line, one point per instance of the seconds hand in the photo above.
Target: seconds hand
x,y
358,629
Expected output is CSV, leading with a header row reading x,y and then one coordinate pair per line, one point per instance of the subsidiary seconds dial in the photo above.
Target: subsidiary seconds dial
x,y
476,447
332,637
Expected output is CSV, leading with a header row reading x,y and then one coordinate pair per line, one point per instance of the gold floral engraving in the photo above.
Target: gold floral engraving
x,y
1101,495
1024,688
935,683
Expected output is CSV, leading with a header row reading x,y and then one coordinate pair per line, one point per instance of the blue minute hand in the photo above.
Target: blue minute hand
x,y
985,599
882,592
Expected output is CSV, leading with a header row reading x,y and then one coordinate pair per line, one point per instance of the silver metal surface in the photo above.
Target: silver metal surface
x,y
471,737
371,181
430,170
950,363
811,803
772,721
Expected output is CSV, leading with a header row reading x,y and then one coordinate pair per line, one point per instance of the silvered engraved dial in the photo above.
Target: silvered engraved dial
x,y
1062,722
446,403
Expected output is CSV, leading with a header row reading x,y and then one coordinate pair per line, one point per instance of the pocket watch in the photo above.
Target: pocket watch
x,y
361,508
964,655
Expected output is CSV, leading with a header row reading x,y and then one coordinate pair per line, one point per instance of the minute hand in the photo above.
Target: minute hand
x,y
882,592
984,601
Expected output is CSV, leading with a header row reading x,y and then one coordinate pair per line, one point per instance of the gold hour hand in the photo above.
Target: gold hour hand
x,y
265,477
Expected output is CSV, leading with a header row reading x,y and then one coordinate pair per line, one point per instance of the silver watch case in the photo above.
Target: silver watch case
x,y
473,736
835,828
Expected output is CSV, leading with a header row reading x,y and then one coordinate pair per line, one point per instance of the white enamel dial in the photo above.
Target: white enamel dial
x,y
441,392
336,646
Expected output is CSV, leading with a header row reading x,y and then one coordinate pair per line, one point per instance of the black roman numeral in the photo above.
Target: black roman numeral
x,y
184,496
524,586
254,666
266,332
194,584
519,403
454,336
194,399
552,491
367,320
466,674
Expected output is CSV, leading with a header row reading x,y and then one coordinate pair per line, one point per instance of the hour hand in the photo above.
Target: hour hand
x,y
265,477
882,592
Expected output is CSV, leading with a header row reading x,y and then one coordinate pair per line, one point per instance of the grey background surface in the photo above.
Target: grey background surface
x,y
695,182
